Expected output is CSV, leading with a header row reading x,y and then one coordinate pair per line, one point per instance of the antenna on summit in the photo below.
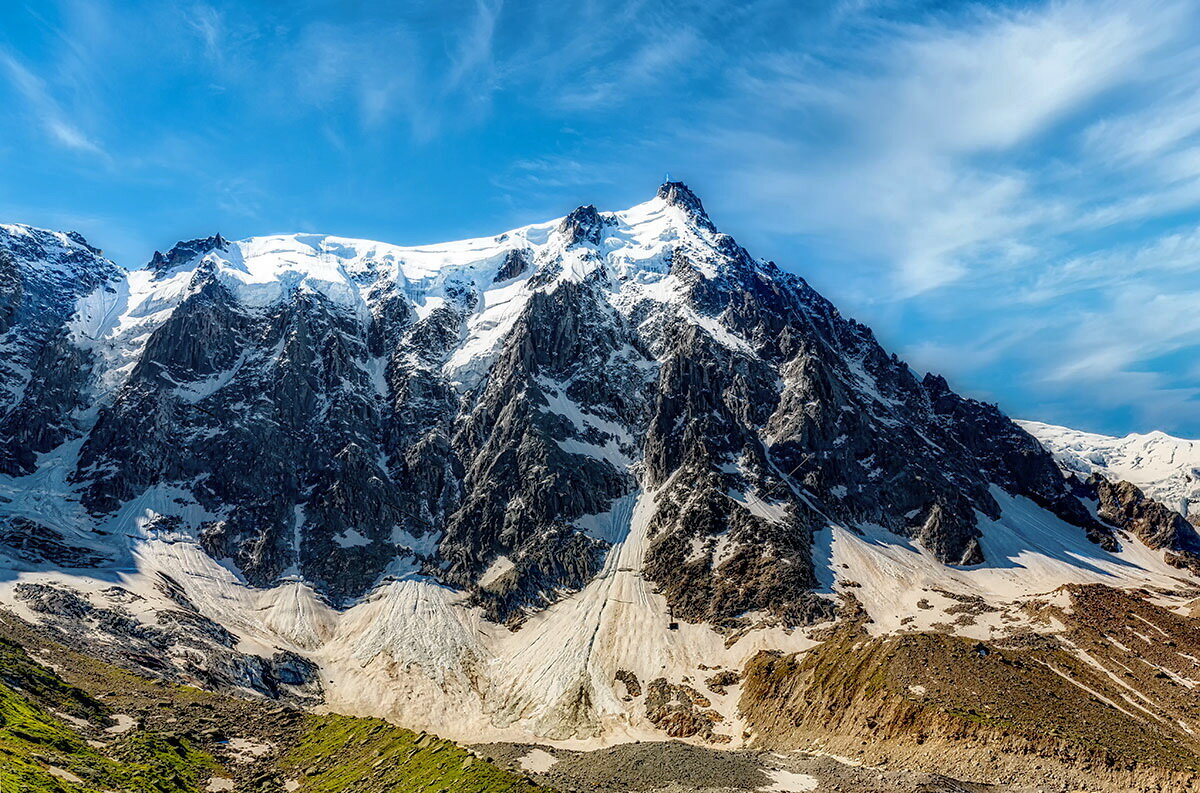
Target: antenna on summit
x,y
667,176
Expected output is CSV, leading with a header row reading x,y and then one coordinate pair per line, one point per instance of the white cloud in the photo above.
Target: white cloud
x,y
46,109
209,24
473,53
649,63
918,145
1176,253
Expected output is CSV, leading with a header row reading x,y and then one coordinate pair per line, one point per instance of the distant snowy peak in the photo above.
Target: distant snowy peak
x,y
46,239
1166,468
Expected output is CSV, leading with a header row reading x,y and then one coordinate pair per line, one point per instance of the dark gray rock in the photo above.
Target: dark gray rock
x,y
680,195
1124,505
183,252
583,225
36,543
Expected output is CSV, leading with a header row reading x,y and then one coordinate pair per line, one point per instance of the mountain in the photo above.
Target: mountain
x,y
1166,468
582,482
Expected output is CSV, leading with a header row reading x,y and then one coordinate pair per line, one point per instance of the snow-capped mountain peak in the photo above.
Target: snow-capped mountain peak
x,y
489,278
261,271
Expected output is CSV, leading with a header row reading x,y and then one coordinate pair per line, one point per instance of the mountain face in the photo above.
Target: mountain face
x,y
599,479
43,372
482,413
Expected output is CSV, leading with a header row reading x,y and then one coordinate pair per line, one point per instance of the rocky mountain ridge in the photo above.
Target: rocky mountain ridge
x,y
480,412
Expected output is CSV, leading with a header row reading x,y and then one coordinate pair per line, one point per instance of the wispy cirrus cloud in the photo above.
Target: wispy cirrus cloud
x,y
922,139
46,110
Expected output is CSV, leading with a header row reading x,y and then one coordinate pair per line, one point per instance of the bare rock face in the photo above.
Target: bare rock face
x,y
681,711
42,381
677,194
183,646
1124,504
521,488
183,252
31,541
496,414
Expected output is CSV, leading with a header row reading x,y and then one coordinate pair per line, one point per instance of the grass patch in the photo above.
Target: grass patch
x,y
341,754
42,752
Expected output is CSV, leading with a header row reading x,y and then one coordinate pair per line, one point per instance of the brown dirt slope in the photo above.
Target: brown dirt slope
x,y
1106,703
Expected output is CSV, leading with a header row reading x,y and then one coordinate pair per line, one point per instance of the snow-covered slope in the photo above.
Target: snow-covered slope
x,y
360,275
1167,469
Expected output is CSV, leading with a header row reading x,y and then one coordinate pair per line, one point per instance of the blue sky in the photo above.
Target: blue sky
x,y
1007,193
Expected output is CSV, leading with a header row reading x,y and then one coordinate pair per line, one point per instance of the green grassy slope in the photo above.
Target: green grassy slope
x,y
73,724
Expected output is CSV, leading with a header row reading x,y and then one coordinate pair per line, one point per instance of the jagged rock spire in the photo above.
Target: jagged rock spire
x,y
678,194
76,237
183,252
582,225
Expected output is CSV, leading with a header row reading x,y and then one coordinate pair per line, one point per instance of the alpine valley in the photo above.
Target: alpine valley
x,y
606,498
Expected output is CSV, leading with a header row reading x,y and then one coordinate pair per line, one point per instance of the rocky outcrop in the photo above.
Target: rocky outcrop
x,y
516,262
677,194
31,541
1124,505
1010,457
681,711
183,252
182,647
583,225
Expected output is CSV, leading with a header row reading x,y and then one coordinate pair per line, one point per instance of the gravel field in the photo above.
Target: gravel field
x,y
675,767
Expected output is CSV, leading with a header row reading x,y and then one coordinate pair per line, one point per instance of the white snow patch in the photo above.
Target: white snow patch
x,y
790,782
351,538
1029,553
496,570
246,750
124,723
538,761
425,545
63,773
611,526
67,717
